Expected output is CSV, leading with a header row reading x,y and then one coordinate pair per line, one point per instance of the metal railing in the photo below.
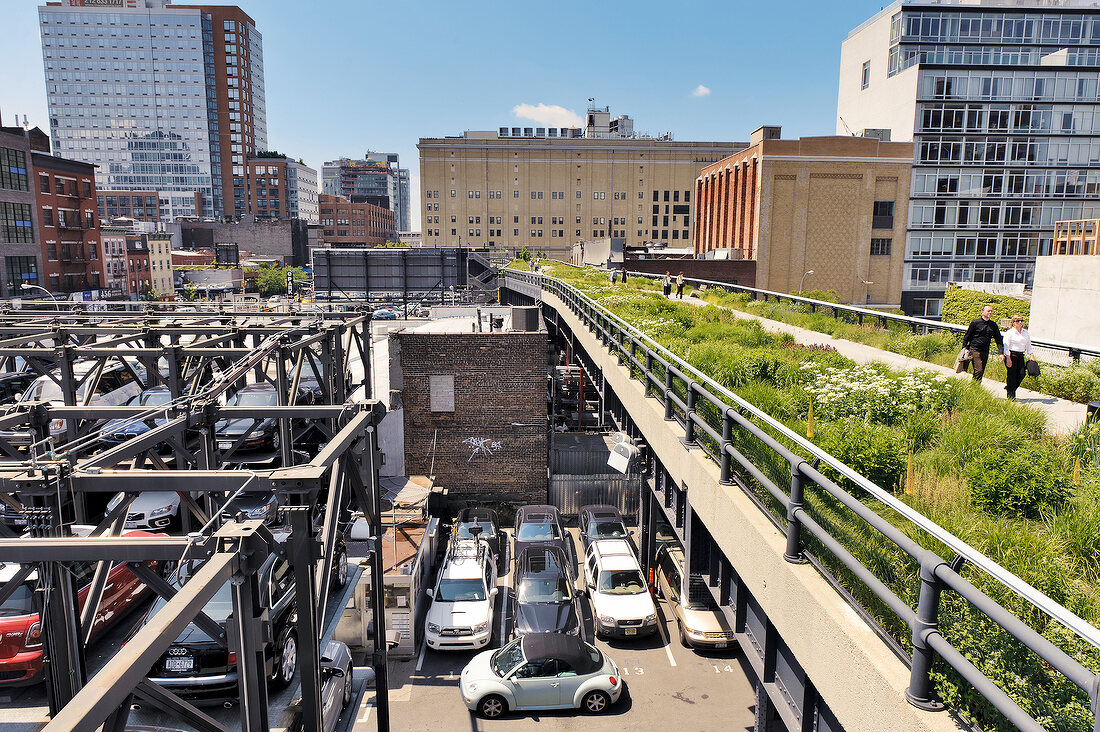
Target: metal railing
x,y
858,314
752,447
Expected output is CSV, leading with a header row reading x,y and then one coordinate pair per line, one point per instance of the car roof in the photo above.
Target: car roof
x,y
563,647
477,513
614,553
601,510
462,568
537,513
534,560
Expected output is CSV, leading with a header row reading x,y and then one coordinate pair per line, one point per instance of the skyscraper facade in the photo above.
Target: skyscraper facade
x,y
376,175
161,97
1002,102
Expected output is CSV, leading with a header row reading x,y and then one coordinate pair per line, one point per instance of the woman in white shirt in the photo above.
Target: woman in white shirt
x,y
1017,344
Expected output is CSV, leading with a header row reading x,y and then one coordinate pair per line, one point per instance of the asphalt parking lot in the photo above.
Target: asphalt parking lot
x,y
668,686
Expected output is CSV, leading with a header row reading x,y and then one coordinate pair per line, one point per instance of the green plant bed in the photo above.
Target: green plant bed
x,y
981,467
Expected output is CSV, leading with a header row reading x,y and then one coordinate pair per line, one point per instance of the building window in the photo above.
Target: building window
x,y
47,217
880,247
865,78
44,183
883,216
13,169
16,226
20,270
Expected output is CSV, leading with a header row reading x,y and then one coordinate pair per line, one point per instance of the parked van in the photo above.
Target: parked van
x,y
701,622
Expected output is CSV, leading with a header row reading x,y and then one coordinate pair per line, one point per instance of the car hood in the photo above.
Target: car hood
x,y
128,427
623,607
458,614
146,502
479,668
237,427
705,620
545,617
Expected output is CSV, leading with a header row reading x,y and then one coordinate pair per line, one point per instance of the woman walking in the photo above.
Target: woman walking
x,y
668,283
1017,349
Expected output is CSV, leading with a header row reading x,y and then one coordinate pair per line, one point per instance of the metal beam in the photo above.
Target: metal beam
x,y
118,549
113,684
163,588
304,551
135,445
158,696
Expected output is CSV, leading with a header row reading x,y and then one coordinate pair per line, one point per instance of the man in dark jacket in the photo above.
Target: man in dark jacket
x,y
978,336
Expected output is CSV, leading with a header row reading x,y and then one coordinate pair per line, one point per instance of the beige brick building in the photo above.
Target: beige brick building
x,y
489,189
833,206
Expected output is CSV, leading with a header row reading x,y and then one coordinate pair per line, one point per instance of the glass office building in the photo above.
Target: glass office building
x,y
1002,103
160,98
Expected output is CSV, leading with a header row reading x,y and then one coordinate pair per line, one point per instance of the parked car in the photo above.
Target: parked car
x,y
545,602
540,671
601,522
543,525
14,383
262,505
149,510
20,630
701,622
337,683
461,614
384,314
197,666
262,433
621,604
114,387
117,431
490,531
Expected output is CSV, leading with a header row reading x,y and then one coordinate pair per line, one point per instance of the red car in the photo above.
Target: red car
x,y
21,633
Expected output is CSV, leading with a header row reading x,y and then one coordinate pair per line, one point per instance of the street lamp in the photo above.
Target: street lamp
x,y
28,286
803,280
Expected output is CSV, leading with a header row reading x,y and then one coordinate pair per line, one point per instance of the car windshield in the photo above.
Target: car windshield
x,y
487,529
507,658
608,530
21,602
151,399
43,390
218,607
543,589
622,582
461,590
537,532
254,399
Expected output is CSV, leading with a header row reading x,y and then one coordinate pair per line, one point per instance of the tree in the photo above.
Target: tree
x,y
524,254
150,295
272,280
190,292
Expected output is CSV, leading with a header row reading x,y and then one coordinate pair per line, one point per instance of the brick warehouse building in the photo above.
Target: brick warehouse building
x,y
474,407
820,213
346,223
68,220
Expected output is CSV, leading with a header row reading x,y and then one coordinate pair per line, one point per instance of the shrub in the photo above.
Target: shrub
x,y
870,393
1076,383
961,306
925,347
1021,483
877,453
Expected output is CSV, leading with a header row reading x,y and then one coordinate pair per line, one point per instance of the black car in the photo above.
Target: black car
x,y
116,431
254,434
490,529
601,522
543,525
14,383
199,667
261,505
545,602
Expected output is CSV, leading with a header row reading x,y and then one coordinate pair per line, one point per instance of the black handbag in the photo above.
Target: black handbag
x,y
1032,368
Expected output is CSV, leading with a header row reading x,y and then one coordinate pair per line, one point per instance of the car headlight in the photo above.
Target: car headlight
x,y
262,511
57,425
160,511
481,627
650,619
607,619
433,628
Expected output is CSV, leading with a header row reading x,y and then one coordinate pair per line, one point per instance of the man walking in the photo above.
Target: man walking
x,y
680,285
978,336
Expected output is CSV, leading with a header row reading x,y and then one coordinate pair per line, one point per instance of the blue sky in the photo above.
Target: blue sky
x,y
345,76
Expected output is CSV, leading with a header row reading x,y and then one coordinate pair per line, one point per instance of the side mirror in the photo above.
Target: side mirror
x,y
493,592
430,592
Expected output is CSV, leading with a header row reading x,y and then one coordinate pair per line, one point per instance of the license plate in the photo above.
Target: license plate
x,y
720,645
186,663
224,445
632,631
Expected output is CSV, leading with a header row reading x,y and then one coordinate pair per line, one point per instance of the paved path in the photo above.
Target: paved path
x,y
1063,416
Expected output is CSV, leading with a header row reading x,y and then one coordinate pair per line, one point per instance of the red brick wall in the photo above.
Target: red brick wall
x,y
736,272
493,446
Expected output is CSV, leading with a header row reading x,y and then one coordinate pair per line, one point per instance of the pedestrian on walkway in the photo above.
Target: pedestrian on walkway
x,y
614,276
977,339
1017,349
680,285
622,274
668,284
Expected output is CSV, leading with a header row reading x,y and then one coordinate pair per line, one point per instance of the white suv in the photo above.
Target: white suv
x,y
620,598
461,615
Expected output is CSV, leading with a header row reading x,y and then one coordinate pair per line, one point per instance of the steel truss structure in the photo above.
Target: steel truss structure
x,y
200,358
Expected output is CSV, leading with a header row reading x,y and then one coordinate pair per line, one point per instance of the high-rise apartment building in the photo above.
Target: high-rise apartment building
x,y
547,191
279,188
376,176
161,97
1002,102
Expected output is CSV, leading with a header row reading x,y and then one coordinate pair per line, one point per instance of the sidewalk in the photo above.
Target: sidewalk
x,y
1063,416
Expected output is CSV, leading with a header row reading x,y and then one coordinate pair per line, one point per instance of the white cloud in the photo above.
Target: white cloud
x,y
700,91
550,115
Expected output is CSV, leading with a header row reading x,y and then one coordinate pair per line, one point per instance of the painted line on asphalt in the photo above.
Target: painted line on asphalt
x,y
504,602
420,659
666,637
366,712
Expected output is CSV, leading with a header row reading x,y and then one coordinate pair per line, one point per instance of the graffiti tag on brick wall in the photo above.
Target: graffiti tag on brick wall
x,y
482,446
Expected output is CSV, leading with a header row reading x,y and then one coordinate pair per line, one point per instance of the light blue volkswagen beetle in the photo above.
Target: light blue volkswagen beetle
x,y
541,671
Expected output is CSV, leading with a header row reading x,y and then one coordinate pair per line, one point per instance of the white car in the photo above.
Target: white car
x,y
461,615
621,603
540,671
150,510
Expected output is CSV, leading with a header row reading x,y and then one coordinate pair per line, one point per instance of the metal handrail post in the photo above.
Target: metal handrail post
x,y
794,553
924,624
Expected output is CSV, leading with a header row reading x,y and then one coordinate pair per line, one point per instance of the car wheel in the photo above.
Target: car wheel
x,y
595,702
492,706
340,570
275,440
347,687
287,661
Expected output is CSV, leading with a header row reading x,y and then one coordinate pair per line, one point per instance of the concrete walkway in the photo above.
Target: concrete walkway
x,y
1063,416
